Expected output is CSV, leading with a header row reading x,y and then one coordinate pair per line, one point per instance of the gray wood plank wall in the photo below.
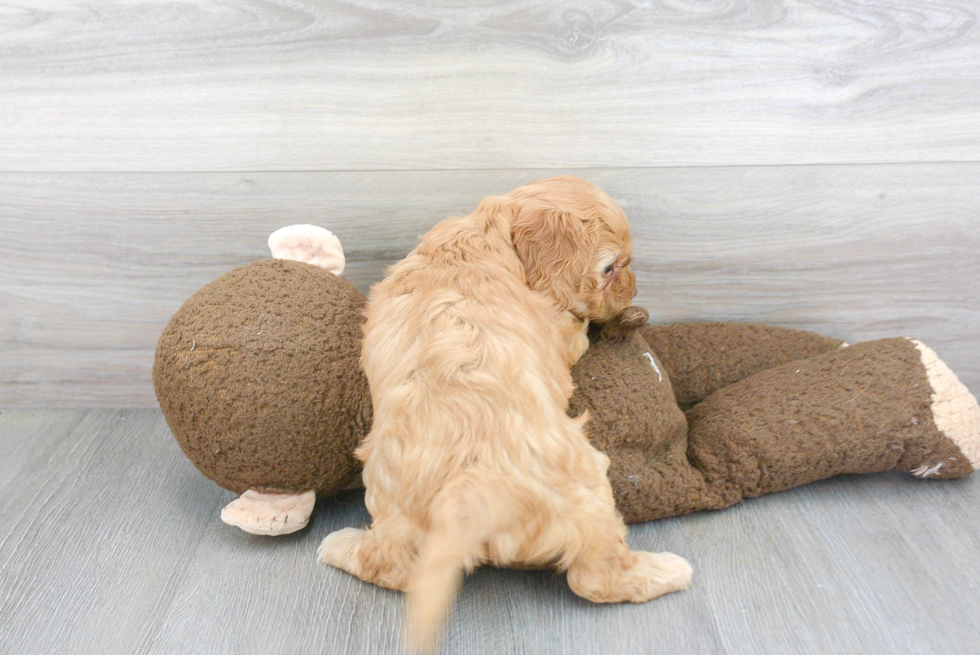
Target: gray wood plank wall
x,y
811,164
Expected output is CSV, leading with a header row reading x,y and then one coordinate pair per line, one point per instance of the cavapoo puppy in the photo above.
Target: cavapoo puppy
x,y
472,458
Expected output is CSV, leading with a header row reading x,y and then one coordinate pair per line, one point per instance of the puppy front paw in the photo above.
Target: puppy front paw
x,y
577,347
575,333
270,514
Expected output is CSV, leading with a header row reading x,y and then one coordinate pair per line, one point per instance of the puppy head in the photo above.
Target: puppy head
x,y
574,243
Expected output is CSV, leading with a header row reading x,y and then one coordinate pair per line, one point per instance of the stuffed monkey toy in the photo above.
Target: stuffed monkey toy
x,y
258,377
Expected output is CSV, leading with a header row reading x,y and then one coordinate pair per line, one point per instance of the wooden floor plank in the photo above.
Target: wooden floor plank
x,y
877,563
252,85
97,529
90,275
28,439
868,563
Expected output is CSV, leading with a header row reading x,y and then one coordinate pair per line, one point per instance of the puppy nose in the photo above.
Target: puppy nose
x,y
635,290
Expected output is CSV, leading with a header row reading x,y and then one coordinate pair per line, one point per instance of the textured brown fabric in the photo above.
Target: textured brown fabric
x,y
860,409
636,422
258,377
704,357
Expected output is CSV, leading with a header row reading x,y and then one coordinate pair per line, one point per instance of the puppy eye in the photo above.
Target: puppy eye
x,y
609,269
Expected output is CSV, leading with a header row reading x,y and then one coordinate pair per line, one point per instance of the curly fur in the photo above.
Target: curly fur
x,y
472,458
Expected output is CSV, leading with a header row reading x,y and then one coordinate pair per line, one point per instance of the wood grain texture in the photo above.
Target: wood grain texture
x,y
111,543
255,85
92,266
94,536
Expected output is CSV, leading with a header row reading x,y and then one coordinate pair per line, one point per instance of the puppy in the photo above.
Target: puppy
x,y
472,458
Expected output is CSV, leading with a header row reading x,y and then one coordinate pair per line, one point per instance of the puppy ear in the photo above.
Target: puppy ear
x,y
555,248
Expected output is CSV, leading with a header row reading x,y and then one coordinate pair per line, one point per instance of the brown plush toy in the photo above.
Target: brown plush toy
x,y
258,377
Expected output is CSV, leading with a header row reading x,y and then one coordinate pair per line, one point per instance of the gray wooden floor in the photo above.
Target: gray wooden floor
x,y
110,543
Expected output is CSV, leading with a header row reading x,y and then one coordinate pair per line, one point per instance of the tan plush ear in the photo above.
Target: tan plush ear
x,y
555,248
310,244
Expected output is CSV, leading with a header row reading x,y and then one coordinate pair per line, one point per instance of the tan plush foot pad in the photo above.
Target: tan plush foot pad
x,y
955,410
269,514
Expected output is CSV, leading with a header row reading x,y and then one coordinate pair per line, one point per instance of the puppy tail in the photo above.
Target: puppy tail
x,y
471,507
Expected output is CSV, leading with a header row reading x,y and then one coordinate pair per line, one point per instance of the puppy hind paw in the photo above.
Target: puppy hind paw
x,y
340,548
656,574
648,576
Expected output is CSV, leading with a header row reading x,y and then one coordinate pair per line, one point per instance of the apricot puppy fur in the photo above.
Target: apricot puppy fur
x,y
472,458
